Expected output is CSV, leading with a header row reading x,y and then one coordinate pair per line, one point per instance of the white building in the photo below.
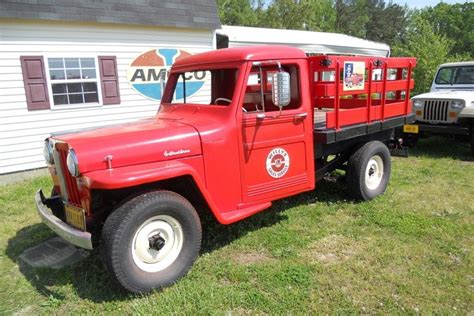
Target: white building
x,y
68,64
310,42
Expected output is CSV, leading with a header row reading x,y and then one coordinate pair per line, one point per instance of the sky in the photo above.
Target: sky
x,y
418,4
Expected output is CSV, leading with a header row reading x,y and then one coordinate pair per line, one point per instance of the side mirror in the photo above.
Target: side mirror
x,y
281,91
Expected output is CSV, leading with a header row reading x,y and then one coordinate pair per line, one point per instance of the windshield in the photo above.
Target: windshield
x,y
205,87
455,75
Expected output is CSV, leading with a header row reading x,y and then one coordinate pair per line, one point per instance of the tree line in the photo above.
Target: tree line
x,y
434,35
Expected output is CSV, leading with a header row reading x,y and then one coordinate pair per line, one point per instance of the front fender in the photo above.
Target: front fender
x,y
123,177
130,176
467,112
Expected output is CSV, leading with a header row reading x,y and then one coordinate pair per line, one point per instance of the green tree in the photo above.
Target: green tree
x,y
237,12
322,16
286,14
387,22
352,17
455,22
429,48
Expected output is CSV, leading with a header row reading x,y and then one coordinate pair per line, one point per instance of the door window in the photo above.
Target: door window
x,y
258,93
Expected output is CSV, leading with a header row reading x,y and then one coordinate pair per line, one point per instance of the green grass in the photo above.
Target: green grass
x,y
408,251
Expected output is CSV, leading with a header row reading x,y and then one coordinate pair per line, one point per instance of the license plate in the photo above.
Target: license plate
x,y
75,216
413,129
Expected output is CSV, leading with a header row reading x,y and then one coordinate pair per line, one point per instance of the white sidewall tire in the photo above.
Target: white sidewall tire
x,y
368,171
151,212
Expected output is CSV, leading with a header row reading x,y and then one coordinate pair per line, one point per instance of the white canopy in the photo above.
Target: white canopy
x,y
310,42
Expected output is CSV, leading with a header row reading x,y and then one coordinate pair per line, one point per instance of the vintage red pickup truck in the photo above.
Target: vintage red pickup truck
x,y
270,123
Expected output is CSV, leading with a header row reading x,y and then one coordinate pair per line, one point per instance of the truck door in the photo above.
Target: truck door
x,y
277,147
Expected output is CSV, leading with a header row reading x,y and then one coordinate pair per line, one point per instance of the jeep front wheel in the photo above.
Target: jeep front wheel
x,y
151,241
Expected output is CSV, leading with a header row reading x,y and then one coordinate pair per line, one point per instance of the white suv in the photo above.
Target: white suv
x,y
449,107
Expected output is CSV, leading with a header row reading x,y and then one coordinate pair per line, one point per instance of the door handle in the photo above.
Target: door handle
x,y
301,115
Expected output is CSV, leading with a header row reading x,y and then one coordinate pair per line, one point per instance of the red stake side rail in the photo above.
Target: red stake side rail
x,y
345,97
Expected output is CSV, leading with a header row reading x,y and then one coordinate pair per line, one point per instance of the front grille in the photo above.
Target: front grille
x,y
436,110
73,196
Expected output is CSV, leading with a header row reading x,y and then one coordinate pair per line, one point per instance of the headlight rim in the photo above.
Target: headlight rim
x,y
72,158
48,149
459,106
418,103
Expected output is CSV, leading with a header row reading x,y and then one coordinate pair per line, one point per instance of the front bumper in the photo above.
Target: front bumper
x,y
443,129
63,230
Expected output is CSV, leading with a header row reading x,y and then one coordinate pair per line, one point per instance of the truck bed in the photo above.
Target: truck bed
x,y
377,102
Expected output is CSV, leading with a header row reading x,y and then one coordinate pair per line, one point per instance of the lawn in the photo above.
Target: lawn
x,y
408,251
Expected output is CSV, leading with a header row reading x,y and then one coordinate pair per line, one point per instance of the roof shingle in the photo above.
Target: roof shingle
x,y
201,14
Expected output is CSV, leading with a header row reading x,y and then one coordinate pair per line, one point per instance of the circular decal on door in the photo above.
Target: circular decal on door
x,y
278,162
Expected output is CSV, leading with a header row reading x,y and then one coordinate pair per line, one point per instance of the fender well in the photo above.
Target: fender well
x,y
110,188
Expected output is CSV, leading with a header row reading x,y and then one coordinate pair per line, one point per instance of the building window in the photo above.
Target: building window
x,y
74,80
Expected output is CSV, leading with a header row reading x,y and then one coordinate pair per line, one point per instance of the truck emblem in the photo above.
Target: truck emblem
x,y
176,152
278,163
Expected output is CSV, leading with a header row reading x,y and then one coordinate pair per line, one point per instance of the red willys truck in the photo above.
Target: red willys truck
x,y
270,123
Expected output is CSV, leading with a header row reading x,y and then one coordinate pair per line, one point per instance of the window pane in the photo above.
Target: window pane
x,y
88,73
87,63
75,98
73,74
56,74
72,62
74,87
464,75
59,88
89,86
444,75
55,63
60,99
91,97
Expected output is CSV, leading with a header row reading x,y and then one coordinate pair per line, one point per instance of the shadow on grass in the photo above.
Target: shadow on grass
x,y
442,147
89,279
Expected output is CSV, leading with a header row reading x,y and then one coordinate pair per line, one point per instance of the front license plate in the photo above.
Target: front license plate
x,y
75,216
412,129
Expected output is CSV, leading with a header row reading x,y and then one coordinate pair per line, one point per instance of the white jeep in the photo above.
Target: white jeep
x,y
449,107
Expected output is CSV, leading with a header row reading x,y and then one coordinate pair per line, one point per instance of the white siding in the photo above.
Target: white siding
x,y
21,131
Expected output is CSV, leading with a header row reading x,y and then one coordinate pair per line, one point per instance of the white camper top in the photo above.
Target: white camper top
x,y
309,42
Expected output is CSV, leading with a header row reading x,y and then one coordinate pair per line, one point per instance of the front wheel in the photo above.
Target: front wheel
x,y
369,170
151,241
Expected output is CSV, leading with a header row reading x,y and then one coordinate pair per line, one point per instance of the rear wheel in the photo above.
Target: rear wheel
x,y
368,171
151,241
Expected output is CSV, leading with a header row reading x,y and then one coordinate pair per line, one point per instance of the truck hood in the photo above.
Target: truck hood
x,y
144,141
465,95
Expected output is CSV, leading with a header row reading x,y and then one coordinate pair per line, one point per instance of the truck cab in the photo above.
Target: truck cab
x,y
448,109
268,123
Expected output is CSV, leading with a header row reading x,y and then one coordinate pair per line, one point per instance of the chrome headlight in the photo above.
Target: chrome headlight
x,y
72,163
48,152
457,104
418,103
